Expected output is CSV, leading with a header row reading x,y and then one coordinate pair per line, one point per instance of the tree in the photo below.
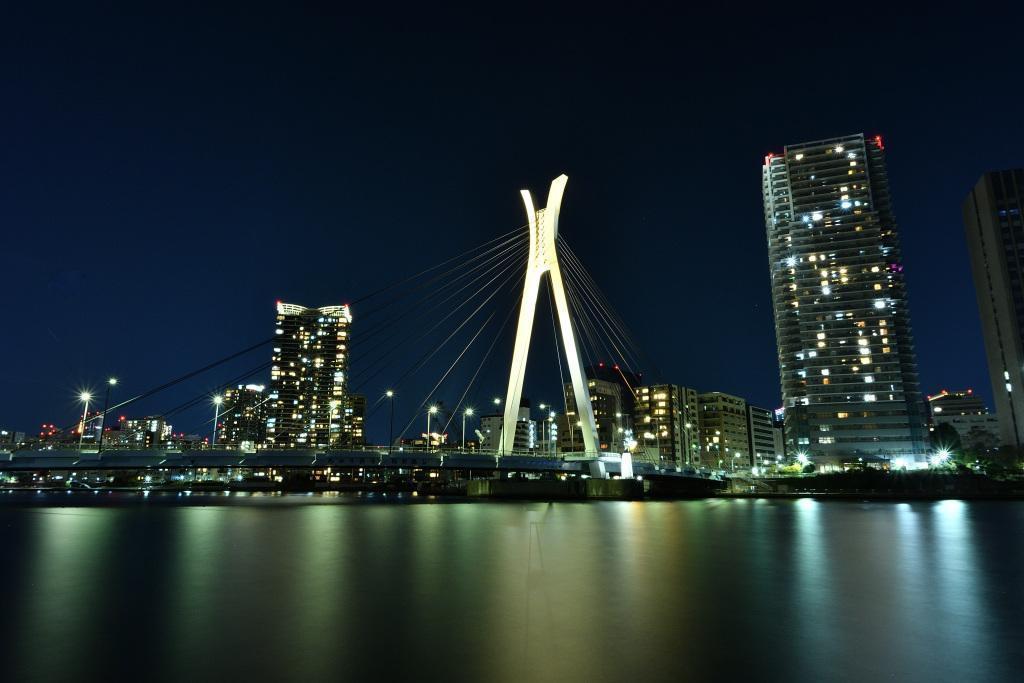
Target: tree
x,y
945,437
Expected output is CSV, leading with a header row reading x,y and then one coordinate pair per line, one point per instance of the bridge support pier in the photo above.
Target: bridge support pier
x,y
543,259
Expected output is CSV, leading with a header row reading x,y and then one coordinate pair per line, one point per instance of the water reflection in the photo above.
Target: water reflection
x,y
315,588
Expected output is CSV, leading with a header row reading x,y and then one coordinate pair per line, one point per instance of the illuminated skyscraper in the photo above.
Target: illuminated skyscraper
x,y
846,355
308,377
354,417
243,418
994,218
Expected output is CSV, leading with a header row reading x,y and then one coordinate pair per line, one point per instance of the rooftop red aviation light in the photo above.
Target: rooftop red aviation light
x,y
878,141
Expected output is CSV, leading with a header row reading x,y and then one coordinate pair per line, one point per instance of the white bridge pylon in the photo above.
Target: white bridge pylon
x,y
544,259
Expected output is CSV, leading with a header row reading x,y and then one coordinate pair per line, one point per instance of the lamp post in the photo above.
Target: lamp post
x,y
551,424
391,427
431,411
84,397
543,407
106,402
467,411
217,400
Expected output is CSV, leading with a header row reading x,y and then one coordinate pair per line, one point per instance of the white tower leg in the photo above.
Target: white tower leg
x,y
544,259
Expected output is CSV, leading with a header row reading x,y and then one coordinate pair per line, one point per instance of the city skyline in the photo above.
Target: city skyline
x,y
198,230
793,447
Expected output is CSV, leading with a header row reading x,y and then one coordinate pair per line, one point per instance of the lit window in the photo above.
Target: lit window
x,y
868,398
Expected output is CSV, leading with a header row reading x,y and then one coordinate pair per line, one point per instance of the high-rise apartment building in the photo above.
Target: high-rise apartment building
x,y
308,377
666,424
352,424
994,220
846,356
725,443
243,417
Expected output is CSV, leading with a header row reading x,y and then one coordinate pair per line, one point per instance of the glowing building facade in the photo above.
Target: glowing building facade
x,y
666,424
724,438
308,377
243,417
846,355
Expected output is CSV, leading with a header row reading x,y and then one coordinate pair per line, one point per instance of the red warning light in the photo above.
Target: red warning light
x,y
878,141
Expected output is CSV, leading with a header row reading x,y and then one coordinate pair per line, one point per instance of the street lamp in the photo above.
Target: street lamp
x,y
84,397
391,428
217,400
431,411
497,401
106,401
467,411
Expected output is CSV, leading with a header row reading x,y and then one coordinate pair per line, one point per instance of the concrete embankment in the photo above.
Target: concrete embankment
x,y
556,489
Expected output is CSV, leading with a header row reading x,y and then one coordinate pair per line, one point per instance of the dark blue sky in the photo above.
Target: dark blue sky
x,y
165,178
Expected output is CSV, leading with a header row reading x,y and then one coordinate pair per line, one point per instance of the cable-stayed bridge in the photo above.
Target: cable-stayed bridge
x,y
440,328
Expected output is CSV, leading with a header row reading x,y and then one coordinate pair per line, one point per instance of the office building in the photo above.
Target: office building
x,y
993,215
761,437
666,425
308,377
846,355
243,416
723,431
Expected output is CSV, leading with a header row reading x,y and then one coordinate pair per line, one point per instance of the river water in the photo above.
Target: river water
x,y
311,587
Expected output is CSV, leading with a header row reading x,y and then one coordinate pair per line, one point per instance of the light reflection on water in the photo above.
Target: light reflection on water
x,y
297,587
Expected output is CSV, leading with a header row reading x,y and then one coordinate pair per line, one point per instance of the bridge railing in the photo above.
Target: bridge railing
x,y
94,450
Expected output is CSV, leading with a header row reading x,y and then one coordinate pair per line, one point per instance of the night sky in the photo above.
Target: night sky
x,y
165,178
